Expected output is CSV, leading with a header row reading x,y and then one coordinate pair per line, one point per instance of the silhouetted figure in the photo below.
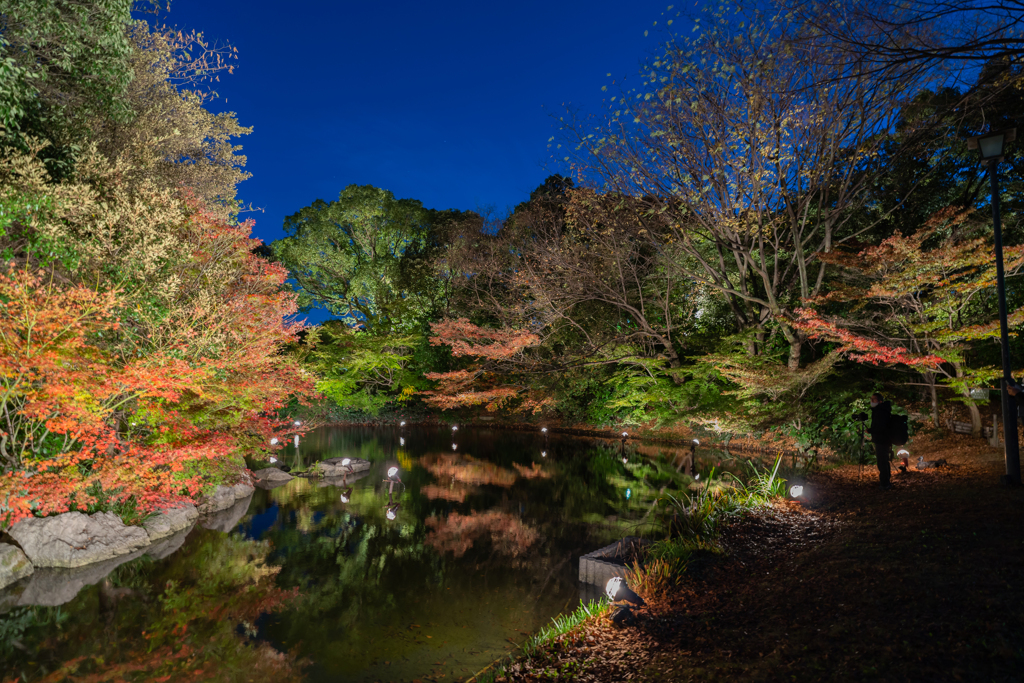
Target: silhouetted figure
x,y
881,422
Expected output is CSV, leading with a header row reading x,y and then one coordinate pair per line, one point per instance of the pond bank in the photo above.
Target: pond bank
x,y
922,582
47,560
670,437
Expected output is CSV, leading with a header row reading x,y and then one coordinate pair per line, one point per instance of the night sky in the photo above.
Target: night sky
x,y
450,103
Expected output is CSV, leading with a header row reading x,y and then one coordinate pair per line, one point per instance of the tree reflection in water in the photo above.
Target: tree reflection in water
x,y
197,614
457,533
481,550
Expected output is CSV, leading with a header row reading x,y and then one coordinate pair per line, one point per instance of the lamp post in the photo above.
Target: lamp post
x,y
991,147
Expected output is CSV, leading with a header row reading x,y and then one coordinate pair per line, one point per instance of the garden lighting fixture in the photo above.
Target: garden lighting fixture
x,y
796,491
393,474
617,591
273,442
904,455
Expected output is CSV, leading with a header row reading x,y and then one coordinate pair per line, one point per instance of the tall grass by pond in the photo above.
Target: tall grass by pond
x,y
687,523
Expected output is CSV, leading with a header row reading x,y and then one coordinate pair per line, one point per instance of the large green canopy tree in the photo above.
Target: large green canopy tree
x,y
364,257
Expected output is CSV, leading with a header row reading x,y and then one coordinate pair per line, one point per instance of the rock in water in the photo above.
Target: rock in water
x,y
224,497
14,565
272,474
170,521
74,539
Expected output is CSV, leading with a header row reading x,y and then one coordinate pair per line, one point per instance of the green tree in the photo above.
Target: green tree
x,y
62,62
365,257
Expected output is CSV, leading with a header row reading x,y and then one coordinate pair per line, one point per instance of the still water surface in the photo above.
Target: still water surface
x,y
316,582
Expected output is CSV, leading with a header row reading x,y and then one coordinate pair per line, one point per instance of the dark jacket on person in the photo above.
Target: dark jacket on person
x,y
881,417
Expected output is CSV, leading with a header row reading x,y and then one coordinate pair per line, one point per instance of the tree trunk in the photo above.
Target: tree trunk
x,y
971,405
933,394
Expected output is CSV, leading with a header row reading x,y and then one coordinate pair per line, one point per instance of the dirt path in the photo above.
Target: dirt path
x,y
924,582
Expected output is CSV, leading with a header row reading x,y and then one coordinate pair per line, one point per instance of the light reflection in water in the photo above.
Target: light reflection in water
x,y
472,548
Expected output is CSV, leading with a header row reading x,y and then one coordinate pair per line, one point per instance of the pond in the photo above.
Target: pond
x,y
476,549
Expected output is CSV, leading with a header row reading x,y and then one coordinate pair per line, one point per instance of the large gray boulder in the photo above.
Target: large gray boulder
x,y
224,497
272,474
171,520
14,565
226,520
74,539
268,485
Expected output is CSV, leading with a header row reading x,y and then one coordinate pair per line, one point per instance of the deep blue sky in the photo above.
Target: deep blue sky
x,y
446,102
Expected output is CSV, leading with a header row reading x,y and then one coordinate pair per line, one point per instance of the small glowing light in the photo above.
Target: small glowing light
x,y
392,472
273,459
455,446
543,454
629,493
455,428
391,514
344,498
696,442
273,442
613,586
543,429
697,477
345,462
625,460
625,434
298,423
401,424
796,491
401,441
902,453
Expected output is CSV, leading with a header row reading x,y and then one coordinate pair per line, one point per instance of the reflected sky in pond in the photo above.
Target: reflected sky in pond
x,y
439,569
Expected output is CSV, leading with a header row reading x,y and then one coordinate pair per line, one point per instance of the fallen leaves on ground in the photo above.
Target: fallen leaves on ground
x,y
921,582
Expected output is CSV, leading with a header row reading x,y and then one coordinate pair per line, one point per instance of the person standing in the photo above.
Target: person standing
x,y
881,419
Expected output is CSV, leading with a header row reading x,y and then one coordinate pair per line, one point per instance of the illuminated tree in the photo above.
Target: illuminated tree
x,y
745,165
490,381
920,302
363,257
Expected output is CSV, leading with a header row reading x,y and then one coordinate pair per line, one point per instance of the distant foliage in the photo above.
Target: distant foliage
x,y
485,382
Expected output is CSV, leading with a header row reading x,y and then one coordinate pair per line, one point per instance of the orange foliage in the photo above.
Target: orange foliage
x,y
483,383
77,411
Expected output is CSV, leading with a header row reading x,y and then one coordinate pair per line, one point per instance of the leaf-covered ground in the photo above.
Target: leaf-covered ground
x,y
924,582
